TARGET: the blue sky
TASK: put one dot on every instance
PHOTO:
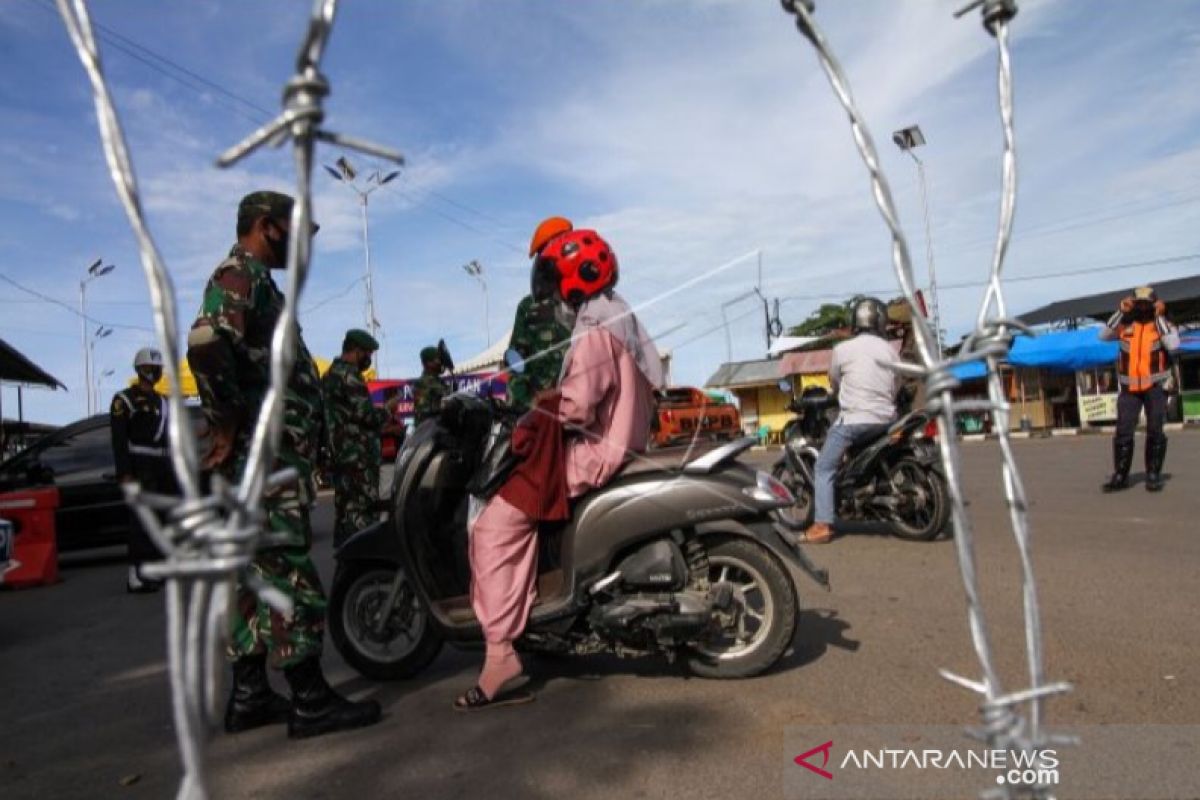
(692, 135)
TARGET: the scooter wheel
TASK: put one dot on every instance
(754, 633)
(399, 647)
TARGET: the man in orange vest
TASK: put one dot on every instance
(1143, 365)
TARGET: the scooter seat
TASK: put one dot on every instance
(666, 459)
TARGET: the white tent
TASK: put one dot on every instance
(490, 359)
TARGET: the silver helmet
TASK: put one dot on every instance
(869, 316)
(148, 357)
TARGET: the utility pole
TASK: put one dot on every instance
(346, 173)
(908, 139)
(98, 269)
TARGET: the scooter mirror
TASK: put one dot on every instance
(514, 361)
(785, 385)
(444, 355)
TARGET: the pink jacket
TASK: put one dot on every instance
(606, 409)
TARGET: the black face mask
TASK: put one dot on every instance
(364, 364)
(279, 247)
(1143, 312)
(152, 374)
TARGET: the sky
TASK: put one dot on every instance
(700, 138)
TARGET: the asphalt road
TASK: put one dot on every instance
(84, 701)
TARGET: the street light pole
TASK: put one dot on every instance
(475, 270)
(907, 139)
(98, 269)
(101, 333)
(347, 174)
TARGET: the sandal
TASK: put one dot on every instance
(476, 700)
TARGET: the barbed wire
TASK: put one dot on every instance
(210, 538)
(1004, 725)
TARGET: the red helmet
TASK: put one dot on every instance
(585, 264)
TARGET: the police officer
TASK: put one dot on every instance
(543, 323)
(138, 418)
(229, 349)
(430, 390)
(1147, 338)
(355, 428)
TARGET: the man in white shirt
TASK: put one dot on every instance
(866, 390)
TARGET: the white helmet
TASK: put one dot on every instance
(147, 357)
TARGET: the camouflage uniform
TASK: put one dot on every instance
(229, 350)
(541, 327)
(427, 396)
(355, 425)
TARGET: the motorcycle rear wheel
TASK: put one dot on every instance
(409, 641)
(925, 489)
(802, 512)
(765, 612)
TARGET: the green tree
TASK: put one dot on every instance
(826, 319)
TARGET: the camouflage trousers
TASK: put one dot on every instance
(355, 500)
(259, 629)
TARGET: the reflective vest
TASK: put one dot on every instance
(1142, 362)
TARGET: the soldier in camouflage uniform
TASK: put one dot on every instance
(355, 426)
(229, 350)
(542, 326)
(430, 390)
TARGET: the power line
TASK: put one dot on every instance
(1013, 279)
(45, 298)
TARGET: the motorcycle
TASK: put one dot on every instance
(683, 554)
(895, 477)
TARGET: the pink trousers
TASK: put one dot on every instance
(504, 551)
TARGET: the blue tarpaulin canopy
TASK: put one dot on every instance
(1064, 351)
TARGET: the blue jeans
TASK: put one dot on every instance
(839, 439)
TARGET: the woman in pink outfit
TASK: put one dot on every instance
(605, 408)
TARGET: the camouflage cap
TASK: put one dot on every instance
(275, 205)
(429, 354)
(357, 337)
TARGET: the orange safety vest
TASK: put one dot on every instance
(1142, 362)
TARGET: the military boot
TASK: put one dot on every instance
(1122, 461)
(252, 703)
(318, 709)
(1156, 454)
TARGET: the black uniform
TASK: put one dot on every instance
(139, 440)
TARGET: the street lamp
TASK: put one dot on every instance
(108, 373)
(346, 173)
(908, 139)
(475, 270)
(102, 332)
(98, 269)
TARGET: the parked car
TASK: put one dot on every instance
(684, 413)
(78, 459)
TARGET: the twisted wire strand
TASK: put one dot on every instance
(1004, 726)
(210, 540)
(943, 400)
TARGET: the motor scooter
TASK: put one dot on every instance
(684, 554)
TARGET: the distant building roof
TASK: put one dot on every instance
(812, 362)
(16, 368)
(1182, 296)
(785, 343)
(746, 373)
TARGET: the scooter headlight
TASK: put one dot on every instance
(769, 491)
